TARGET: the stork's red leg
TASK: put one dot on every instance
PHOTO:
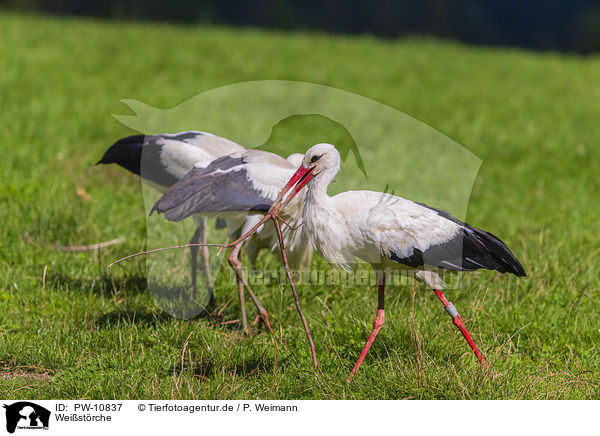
(379, 321)
(236, 264)
(458, 322)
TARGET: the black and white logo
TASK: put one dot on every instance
(26, 415)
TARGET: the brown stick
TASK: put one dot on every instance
(246, 235)
(87, 247)
(296, 300)
(76, 247)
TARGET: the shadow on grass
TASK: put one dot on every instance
(204, 370)
(131, 316)
(144, 314)
(103, 285)
(253, 367)
(402, 344)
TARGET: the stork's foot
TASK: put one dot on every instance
(263, 317)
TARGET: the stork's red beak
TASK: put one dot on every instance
(300, 178)
(300, 172)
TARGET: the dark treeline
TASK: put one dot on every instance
(563, 25)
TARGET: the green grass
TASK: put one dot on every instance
(532, 119)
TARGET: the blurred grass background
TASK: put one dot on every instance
(82, 333)
(560, 25)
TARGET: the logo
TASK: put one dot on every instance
(26, 415)
(381, 149)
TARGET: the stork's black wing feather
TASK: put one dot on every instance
(469, 249)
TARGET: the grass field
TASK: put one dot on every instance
(532, 118)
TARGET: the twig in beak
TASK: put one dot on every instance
(294, 228)
(296, 299)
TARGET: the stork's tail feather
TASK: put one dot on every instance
(470, 249)
(496, 255)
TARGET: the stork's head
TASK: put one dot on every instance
(321, 157)
(318, 159)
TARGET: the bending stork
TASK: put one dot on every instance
(240, 188)
(161, 160)
(390, 232)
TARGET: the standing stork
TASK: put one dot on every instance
(391, 232)
(163, 159)
(241, 187)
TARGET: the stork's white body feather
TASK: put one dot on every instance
(383, 224)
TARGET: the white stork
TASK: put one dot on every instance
(163, 159)
(240, 187)
(390, 232)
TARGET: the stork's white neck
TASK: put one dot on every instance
(317, 191)
(319, 208)
(320, 215)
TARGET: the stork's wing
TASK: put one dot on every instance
(212, 144)
(416, 235)
(165, 158)
(224, 185)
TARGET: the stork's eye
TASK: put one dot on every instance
(315, 158)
